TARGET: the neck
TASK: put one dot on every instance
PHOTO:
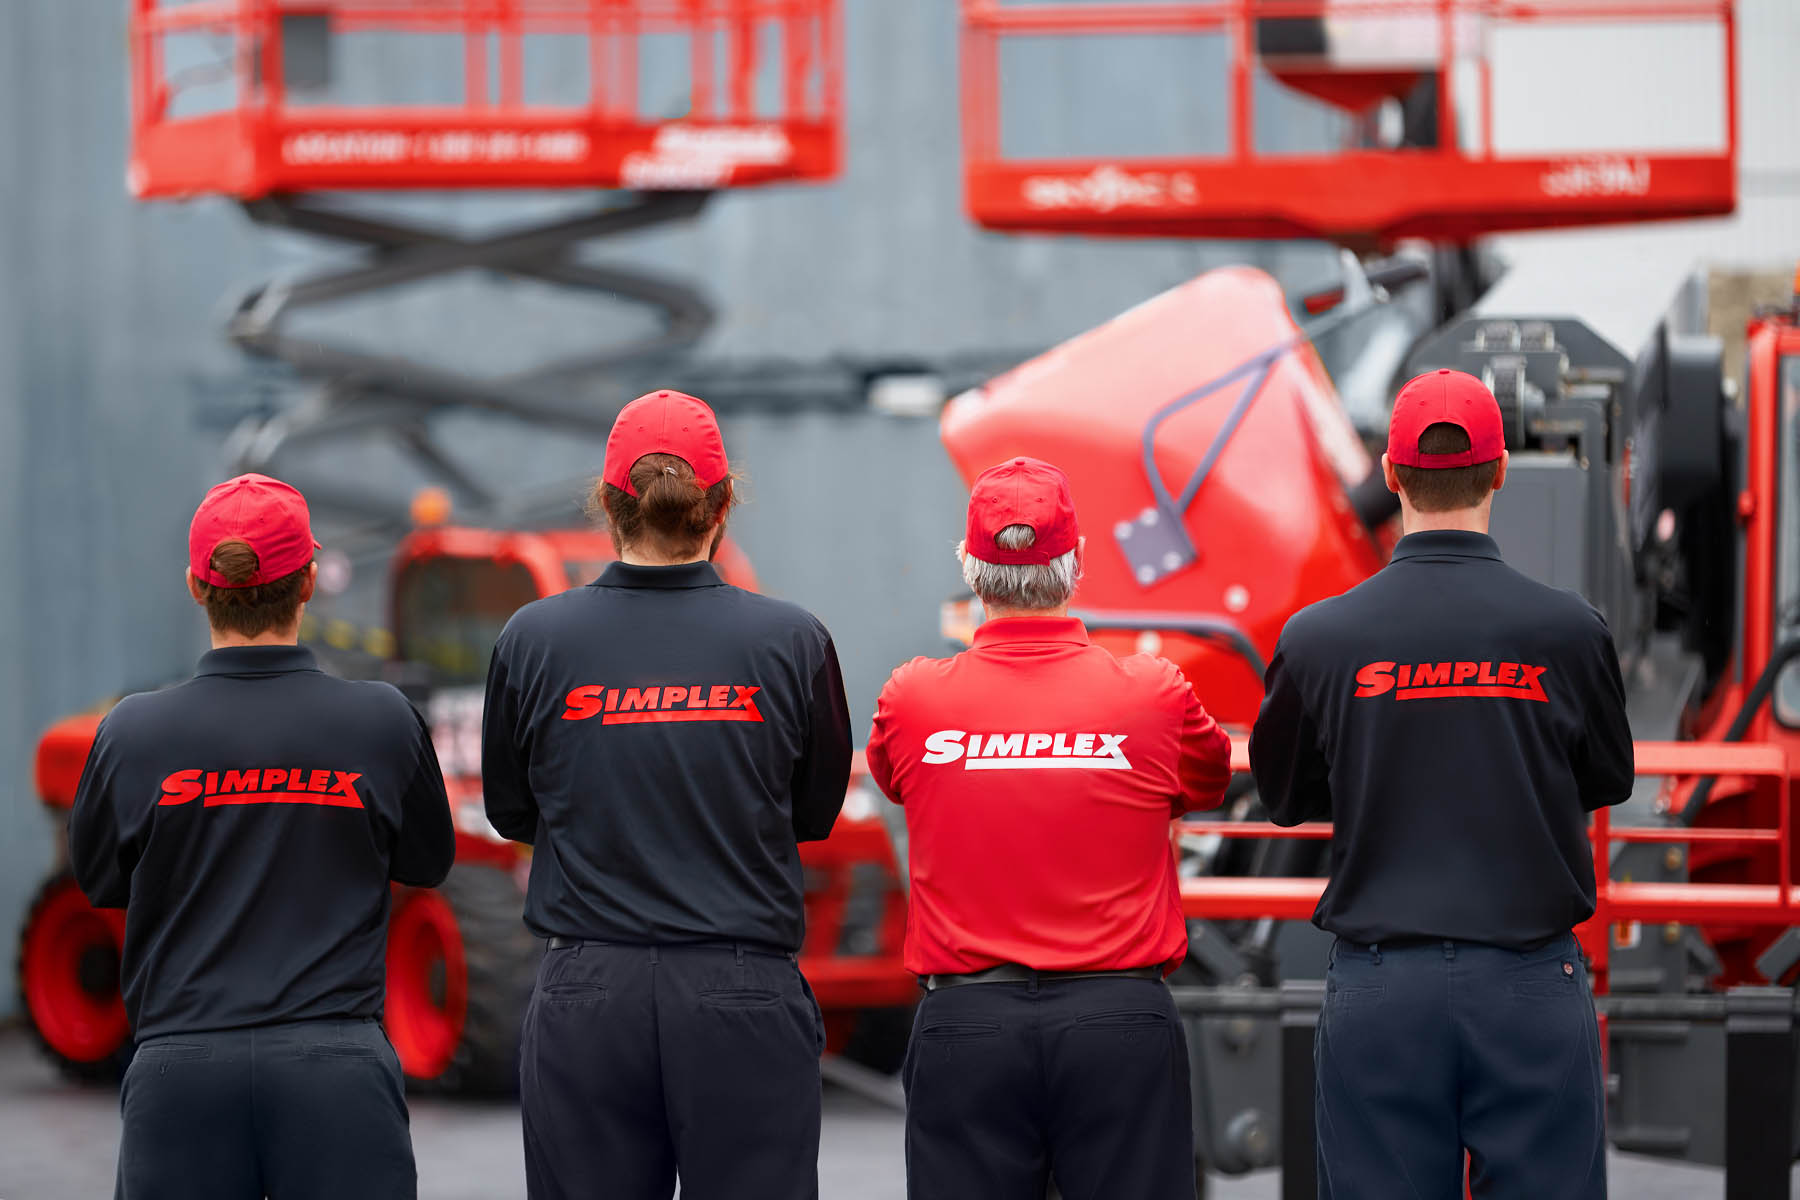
(225, 639)
(646, 554)
(1467, 520)
(650, 558)
(997, 612)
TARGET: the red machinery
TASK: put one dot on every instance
(1458, 177)
(267, 124)
(1222, 488)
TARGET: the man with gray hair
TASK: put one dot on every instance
(1044, 910)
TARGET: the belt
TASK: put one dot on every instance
(1014, 973)
(559, 942)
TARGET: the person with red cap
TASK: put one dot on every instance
(664, 741)
(1457, 722)
(250, 822)
(1046, 1044)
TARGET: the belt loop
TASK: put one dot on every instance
(655, 957)
(1375, 953)
(579, 947)
(1449, 950)
(740, 953)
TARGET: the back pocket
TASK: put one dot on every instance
(1360, 994)
(568, 995)
(1124, 1019)
(959, 1031)
(740, 998)
(1543, 987)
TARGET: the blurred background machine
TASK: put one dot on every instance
(1223, 485)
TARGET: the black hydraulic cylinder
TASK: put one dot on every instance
(1759, 1092)
(1300, 1004)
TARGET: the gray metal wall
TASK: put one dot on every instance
(116, 386)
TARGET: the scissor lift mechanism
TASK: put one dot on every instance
(277, 140)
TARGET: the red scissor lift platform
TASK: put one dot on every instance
(262, 134)
(1472, 173)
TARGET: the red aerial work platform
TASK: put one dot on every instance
(261, 132)
(1452, 176)
(273, 101)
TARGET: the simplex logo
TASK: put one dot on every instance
(1027, 751)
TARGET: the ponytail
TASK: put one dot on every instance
(671, 509)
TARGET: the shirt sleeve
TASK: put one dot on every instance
(1205, 769)
(426, 845)
(102, 853)
(1292, 776)
(823, 772)
(877, 754)
(505, 785)
(1605, 762)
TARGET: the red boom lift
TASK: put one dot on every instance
(1223, 486)
(266, 101)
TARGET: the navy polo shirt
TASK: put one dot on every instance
(1457, 722)
(249, 821)
(664, 740)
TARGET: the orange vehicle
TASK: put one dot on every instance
(460, 961)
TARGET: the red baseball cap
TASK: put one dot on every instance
(1022, 491)
(1445, 397)
(665, 423)
(266, 514)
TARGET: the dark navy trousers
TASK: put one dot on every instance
(1086, 1080)
(306, 1110)
(641, 1063)
(1427, 1050)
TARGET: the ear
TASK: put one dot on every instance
(1080, 555)
(1500, 474)
(194, 588)
(1388, 475)
(309, 583)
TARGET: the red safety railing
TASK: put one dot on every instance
(236, 96)
(1470, 182)
(1769, 904)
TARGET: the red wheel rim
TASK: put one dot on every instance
(70, 964)
(427, 984)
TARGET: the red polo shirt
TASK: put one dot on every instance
(1039, 775)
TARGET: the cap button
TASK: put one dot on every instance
(1443, 370)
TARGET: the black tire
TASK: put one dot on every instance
(502, 957)
(109, 1068)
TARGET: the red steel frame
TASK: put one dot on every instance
(1771, 904)
(262, 143)
(1448, 193)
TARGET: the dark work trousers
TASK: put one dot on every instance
(1086, 1080)
(307, 1110)
(1426, 1050)
(639, 1063)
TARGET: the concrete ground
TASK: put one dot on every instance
(57, 1142)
